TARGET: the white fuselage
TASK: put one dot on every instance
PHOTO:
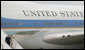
(21, 16)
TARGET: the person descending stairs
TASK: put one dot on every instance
(8, 42)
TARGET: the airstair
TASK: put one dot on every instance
(4, 45)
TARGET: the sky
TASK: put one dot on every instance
(61, 2)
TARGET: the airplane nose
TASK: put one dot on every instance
(51, 39)
(55, 39)
(63, 39)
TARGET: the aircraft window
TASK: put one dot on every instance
(81, 23)
(2, 23)
(14, 23)
(35, 23)
(19, 23)
(8, 23)
(63, 36)
(5, 23)
(68, 36)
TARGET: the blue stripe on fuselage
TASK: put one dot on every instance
(41, 23)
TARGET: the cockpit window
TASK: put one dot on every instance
(68, 36)
(63, 36)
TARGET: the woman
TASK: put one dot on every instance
(11, 40)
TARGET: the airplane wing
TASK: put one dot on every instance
(65, 38)
(20, 36)
(26, 32)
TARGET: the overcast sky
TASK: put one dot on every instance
(61, 2)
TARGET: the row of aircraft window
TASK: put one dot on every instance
(62, 23)
(12, 23)
(46, 23)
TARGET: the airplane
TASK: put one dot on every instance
(28, 17)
